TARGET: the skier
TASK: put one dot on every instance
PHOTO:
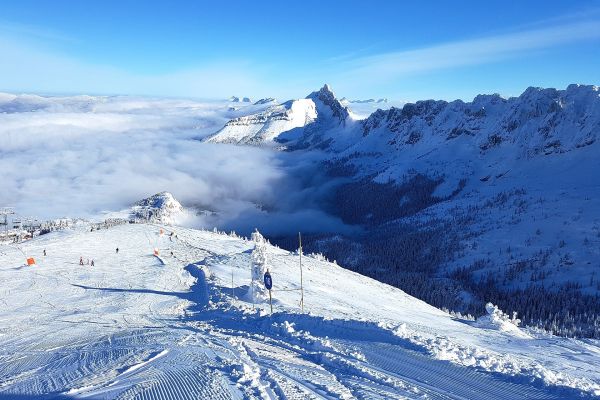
(80, 260)
(92, 264)
(171, 254)
(44, 252)
(117, 250)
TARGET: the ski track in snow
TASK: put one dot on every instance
(133, 328)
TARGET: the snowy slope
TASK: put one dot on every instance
(183, 326)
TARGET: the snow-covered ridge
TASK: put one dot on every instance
(329, 103)
(320, 107)
(265, 126)
(540, 120)
(266, 100)
(344, 100)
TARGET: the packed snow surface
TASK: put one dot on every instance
(183, 325)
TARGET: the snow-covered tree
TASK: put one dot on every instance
(260, 265)
(498, 316)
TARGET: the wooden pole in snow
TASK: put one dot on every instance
(252, 283)
(301, 278)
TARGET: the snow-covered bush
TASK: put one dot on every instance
(497, 319)
(497, 315)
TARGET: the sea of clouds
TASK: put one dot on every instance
(83, 156)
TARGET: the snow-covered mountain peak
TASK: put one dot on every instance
(235, 99)
(160, 200)
(264, 127)
(327, 98)
(161, 207)
(320, 108)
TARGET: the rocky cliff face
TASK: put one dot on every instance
(328, 104)
(540, 120)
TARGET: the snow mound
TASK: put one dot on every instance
(498, 320)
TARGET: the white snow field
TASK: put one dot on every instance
(136, 326)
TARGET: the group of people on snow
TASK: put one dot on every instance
(87, 262)
(91, 263)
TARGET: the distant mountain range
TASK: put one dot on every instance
(379, 101)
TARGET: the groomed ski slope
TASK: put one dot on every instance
(138, 327)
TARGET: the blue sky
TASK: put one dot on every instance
(399, 50)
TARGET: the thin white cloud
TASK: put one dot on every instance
(33, 32)
(394, 65)
(31, 68)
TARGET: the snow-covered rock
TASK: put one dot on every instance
(497, 319)
(328, 105)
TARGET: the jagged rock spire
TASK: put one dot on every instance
(326, 96)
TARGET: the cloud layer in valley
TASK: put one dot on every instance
(81, 156)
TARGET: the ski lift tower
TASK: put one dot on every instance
(4, 213)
